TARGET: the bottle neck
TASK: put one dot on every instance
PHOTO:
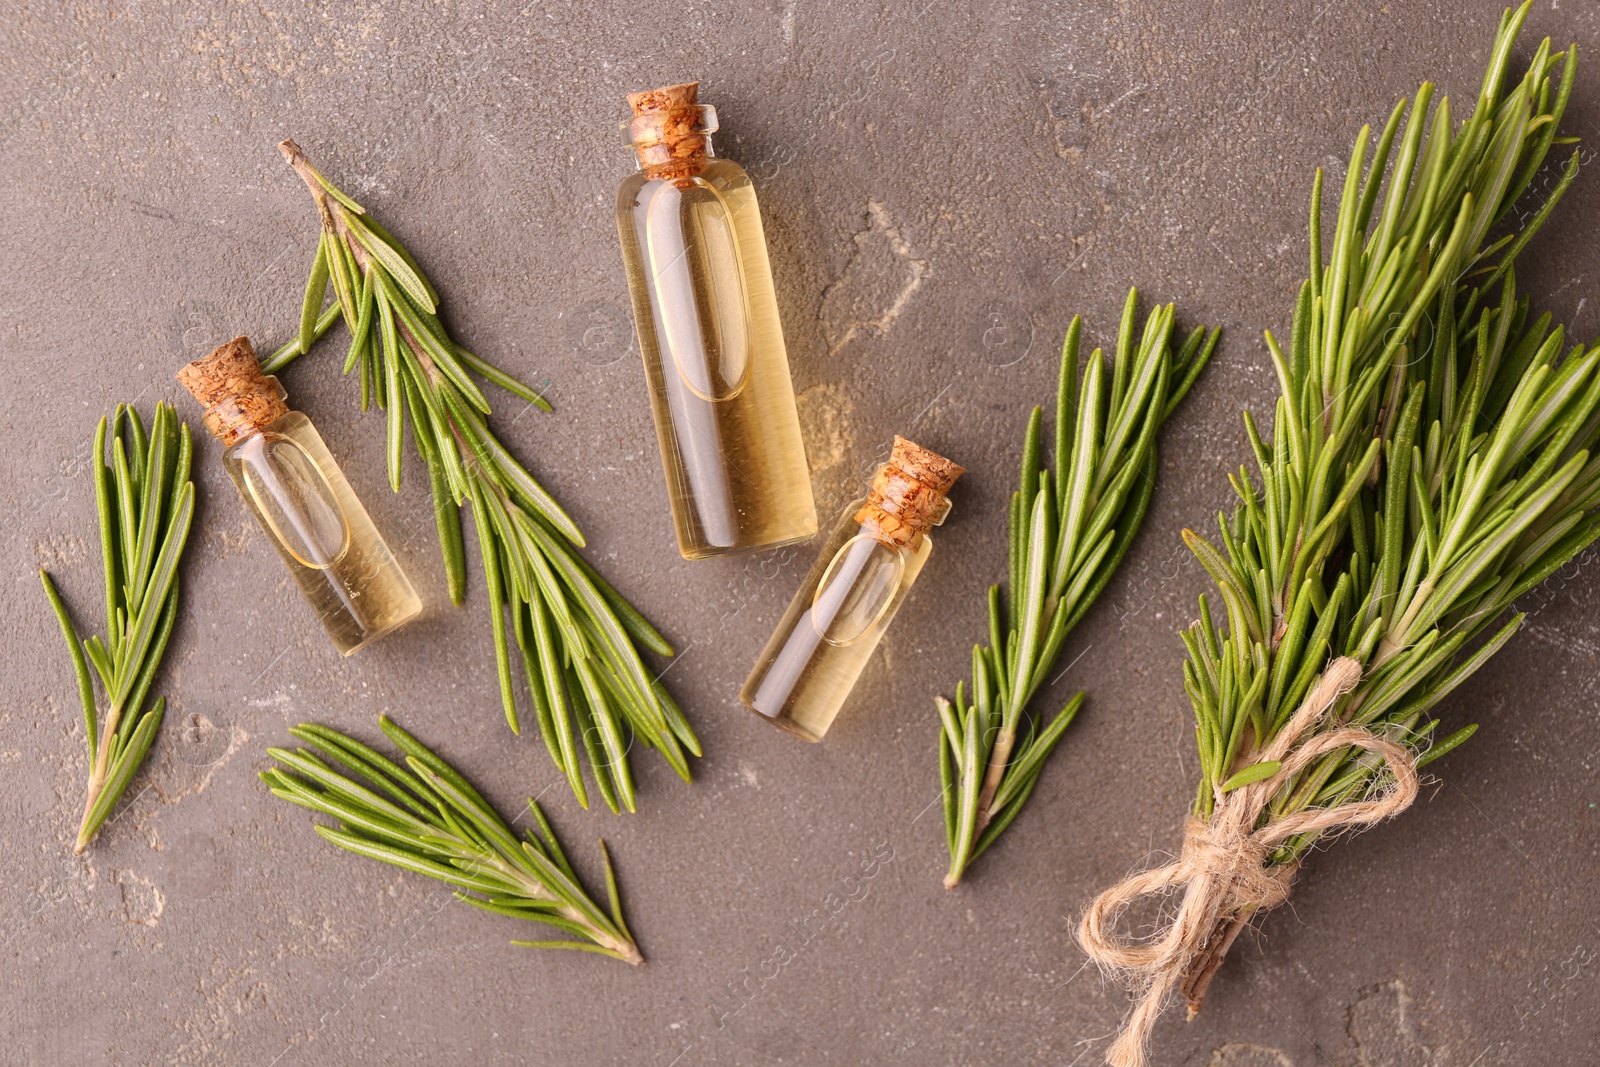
(235, 418)
(670, 130)
(673, 142)
(908, 495)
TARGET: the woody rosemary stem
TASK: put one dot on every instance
(97, 780)
(998, 760)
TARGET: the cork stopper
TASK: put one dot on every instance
(671, 131)
(666, 98)
(238, 398)
(907, 498)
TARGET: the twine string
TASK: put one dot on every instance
(1223, 868)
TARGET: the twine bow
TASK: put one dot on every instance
(1223, 869)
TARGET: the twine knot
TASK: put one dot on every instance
(1238, 859)
(1224, 870)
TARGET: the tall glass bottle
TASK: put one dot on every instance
(301, 498)
(707, 316)
(864, 571)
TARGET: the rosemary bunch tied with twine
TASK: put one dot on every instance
(577, 638)
(145, 502)
(426, 818)
(1069, 529)
(1431, 460)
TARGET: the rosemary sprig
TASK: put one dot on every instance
(1070, 528)
(1430, 459)
(145, 502)
(425, 817)
(577, 638)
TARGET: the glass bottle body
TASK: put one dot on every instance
(832, 627)
(320, 529)
(714, 357)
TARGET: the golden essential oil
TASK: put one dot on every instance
(707, 318)
(301, 499)
(861, 577)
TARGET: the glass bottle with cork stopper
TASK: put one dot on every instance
(301, 498)
(707, 317)
(842, 609)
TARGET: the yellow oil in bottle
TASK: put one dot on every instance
(714, 356)
(831, 629)
(322, 532)
(836, 619)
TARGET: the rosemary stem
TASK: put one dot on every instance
(97, 778)
(999, 759)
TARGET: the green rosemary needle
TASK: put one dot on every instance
(427, 818)
(145, 502)
(1069, 529)
(577, 638)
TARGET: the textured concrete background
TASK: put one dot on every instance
(943, 189)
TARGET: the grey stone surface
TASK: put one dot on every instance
(944, 186)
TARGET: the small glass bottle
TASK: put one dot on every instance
(852, 593)
(707, 317)
(301, 498)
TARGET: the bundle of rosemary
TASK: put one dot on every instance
(146, 502)
(1069, 529)
(425, 817)
(577, 638)
(1431, 460)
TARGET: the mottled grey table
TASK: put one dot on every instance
(943, 188)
